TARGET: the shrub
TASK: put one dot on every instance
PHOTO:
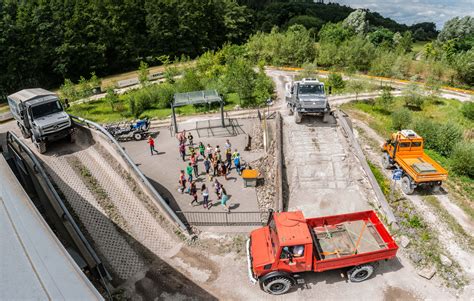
(462, 159)
(448, 135)
(413, 97)
(439, 137)
(401, 118)
(386, 100)
(335, 80)
(427, 129)
(468, 110)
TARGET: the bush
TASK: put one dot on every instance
(335, 80)
(401, 119)
(386, 100)
(462, 159)
(448, 135)
(427, 129)
(439, 137)
(413, 97)
(468, 110)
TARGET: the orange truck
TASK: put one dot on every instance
(290, 244)
(404, 150)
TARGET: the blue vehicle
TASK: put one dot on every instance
(137, 130)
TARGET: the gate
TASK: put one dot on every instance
(205, 218)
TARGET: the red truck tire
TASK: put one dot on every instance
(277, 285)
(360, 272)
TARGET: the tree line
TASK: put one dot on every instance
(355, 45)
(44, 42)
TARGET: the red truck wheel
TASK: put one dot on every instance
(277, 285)
(360, 273)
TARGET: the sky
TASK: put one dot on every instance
(416, 11)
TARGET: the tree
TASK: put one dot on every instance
(464, 66)
(356, 86)
(111, 98)
(401, 118)
(386, 100)
(335, 81)
(240, 78)
(143, 73)
(381, 36)
(457, 28)
(309, 22)
(462, 159)
(357, 21)
(403, 42)
(334, 33)
(412, 96)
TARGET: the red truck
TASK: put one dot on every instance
(290, 244)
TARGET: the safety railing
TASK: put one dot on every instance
(231, 218)
(15, 142)
(157, 198)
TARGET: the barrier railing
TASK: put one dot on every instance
(13, 140)
(232, 218)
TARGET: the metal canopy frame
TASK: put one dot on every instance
(194, 98)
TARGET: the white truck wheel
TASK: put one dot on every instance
(298, 117)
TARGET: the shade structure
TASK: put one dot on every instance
(194, 98)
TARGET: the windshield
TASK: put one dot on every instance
(273, 235)
(310, 89)
(46, 109)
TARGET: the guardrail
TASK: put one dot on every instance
(159, 200)
(363, 161)
(279, 202)
(231, 218)
(38, 168)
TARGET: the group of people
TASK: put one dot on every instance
(216, 162)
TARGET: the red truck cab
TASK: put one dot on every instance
(291, 244)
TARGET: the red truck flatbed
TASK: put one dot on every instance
(350, 239)
(291, 244)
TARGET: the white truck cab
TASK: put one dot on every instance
(40, 116)
(307, 97)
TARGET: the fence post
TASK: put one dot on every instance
(226, 219)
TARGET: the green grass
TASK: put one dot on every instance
(418, 46)
(440, 111)
(100, 111)
(383, 182)
(4, 107)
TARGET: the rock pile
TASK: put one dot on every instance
(266, 191)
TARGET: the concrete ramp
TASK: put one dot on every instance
(113, 207)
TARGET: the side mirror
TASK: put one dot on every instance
(330, 90)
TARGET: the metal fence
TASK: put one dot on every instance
(205, 218)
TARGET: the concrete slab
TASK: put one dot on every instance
(163, 169)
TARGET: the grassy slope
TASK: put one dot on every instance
(461, 187)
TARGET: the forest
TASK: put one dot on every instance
(44, 42)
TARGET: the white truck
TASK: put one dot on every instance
(40, 116)
(307, 97)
